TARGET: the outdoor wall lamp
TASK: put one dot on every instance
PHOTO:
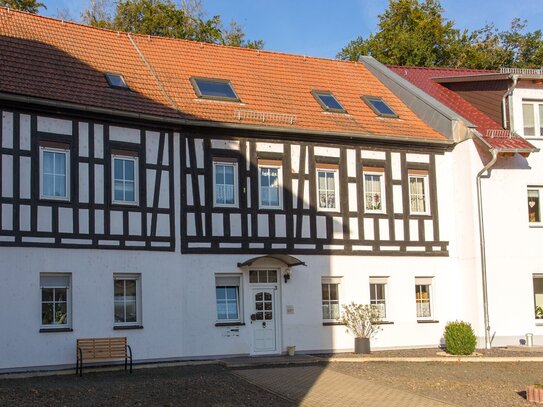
(286, 276)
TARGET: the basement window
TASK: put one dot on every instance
(379, 106)
(328, 101)
(115, 80)
(218, 89)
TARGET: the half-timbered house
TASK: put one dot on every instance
(207, 200)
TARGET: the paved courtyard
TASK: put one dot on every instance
(316, 386)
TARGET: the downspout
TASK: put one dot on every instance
(508, 95)
(482, 243)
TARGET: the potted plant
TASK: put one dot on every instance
(361, 320)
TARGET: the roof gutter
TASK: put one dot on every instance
(482, 242)
(508, 96)
(213, 124)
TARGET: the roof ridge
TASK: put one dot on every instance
(442, 68)
(160, 38)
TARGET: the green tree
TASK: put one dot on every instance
(30, 6)
(165, 18)
(415, 33)
(410, 33)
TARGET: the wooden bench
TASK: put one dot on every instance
(102, 349)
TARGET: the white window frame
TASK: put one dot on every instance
(539, 189)
(539, 321)
(425, 179)
(279, 188)
(236, 186)
(425, 281)
(66, 152)
(381, 281)
(239, 285)
(336, 281)
(68, 288)
(381, 176)
(335, 171)
(135, 159)
(537, 119)
(125, 277)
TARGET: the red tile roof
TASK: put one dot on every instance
(46, 58)
(423, 79)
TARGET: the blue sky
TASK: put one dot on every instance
(322, 27)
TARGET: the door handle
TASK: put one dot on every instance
(264, 324)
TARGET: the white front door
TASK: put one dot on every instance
(263, 320)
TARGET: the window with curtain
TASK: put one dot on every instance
(327, 189)
(224, 175)
(418, 193)
(270, 188)
(227, 296)
(374, 191)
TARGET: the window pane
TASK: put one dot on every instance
(333, 292)
(118, 191)
(119, 312)
(47, 294)
(334, 314)
(118, 168)
(47, 313)
(119, 288)
(60, 185)
(215, 88)
(129, 193)
(60, 294)
(129, 170)
(131, 314)
(528, 117)
(220, 292)
(325, 292)
(326, 311)
(61, 316)
(130, 288)
(229, 175)
(232, 310)
(538, 297)
(534, 213)
(60, 163)
(48, 162)
(540, 120)
(322, 180)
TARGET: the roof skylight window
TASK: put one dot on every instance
(379, 106)
(328, 101)
(116, 80)
(218, 89)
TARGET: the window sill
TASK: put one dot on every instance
(230, 324)
(121, 327)
(384, 323)
(536, 225)
(427, 321)
(332, 323)
(44, 330)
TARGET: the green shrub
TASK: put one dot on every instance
(459, 338)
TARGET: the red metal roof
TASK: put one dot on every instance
(423, 79)
(47, 58)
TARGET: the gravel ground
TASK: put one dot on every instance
(464, 384)
(178, 386)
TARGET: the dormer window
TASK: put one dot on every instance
(379, 106)
(218, 89)
(116, 80)
(328, 101)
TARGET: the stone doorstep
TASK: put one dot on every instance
(263, 361)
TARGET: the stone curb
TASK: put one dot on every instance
(91, 369)
(441, 359)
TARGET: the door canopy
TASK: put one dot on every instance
(287, 260)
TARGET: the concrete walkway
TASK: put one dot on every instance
(315, 386)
